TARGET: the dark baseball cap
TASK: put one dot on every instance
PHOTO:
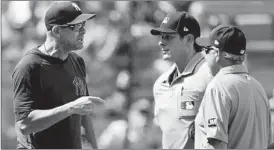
(178, 22)
(65, 13)
(228, 38)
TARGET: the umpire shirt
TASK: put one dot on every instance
(177, 100)
(235, 110)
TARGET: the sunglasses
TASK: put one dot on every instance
(207, 49)
(75, 27)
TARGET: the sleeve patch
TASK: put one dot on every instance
(212, 122)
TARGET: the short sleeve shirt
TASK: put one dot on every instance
(235, 110)
(44, 82)
(177, 101)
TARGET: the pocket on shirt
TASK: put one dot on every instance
(188, 104)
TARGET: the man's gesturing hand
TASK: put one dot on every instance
(84, 105)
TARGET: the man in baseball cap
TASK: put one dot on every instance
(51, 98)
(227, 38)
(177, 99)
(234, 112)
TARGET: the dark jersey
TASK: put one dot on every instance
(44, 82)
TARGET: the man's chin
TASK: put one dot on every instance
(166, 57)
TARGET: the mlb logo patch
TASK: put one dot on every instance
(187, 105)
(212, 122)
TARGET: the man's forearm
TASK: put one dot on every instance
(89, 130)
(39, 120)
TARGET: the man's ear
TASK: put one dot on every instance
(55, 31)
(189, 39)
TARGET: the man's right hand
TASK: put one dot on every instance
(84, 105)
(39, 120)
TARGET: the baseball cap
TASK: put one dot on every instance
(178, 22)
(65, 13)
(228, 38)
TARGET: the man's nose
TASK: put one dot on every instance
(82, 30)
(162, 43)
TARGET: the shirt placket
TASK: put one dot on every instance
(176, 92)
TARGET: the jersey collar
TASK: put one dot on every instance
(234, 69)
(189, 69)
(191, 65)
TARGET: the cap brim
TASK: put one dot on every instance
(81, 18)
(203, 41)
(158, 31)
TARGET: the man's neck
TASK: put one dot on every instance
(181, 66)
(52, 49)
(183, 62)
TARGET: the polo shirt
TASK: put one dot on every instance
(177, 101)
(235, 110)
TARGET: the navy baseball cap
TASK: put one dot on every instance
(228, 38)
(178, 22)
(65, 13)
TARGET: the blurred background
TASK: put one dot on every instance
(123, 60)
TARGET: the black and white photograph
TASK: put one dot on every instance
(137, 74)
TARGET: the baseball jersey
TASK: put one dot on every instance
(177, 101)
(44, 82)
(235, 110)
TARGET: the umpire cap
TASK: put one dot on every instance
(228, 38)
(178, 22)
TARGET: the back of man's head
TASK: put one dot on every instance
(229, 39)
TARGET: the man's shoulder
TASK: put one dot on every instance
(203, 73)
(27, 66)
(204, 70)
(163, 77)
(75, 55)
(229, 80)
(160, 79)
(161, 82)
(29, 60)
(223, 85)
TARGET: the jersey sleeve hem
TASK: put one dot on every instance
(218, 137)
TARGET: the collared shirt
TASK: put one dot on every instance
(177, 101)
(235, 110)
